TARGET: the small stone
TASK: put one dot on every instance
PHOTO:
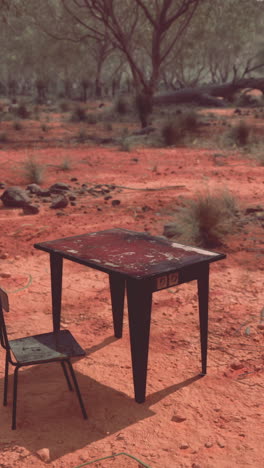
(59, 202)
(5, 275)
(59, 187)
(44, 455)
(177, 418)
(220, 443)
(236, 365)
(208, 444)
(4, 256)
(30, 209)
(184, 446)
(116, 202)
(261, 326)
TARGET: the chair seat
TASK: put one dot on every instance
(45, 347)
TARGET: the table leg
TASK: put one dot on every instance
(56, 288)
(139, 298)
(203, 296)
(117, 290)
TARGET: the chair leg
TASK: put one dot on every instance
(6, 381)
(66, 375)
(77, 389)
(15, 398)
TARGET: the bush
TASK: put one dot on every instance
(206, 220)
(66, 165)
(240, 134)
(79, 114)
(17, 125)
(3, 138)
(33, 171)
(22, 111)
(92, 119)
(176, 130)
(122, 106)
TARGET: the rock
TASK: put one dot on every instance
(34, 188)
(74, 179)
(221, 443)
(2, 185)
(4, 256)
(72, 197)
(59, 202)
(236, 365)
(59, 187)
(184, 446)
(208, 444)
(261, 326)
(15, 197)
(30, 209)
(115, 202)
(5, 275)
(44, 455)
(177, 418)
(44, 193)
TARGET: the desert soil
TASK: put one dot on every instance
(210, 422)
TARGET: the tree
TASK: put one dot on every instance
(144, 31)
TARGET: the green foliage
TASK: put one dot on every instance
(207, 220)
(241, 133)
(33, 171)
(176, 130)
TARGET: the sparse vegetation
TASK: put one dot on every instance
(178, 128)
(17, 125)
(22, 112)
(122, 105)
(91, 119)
(33, 171)
(3, 138)
(241, 133)
(206, 220)
(79, 114)
(66, 164)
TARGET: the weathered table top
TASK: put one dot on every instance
(133, 254)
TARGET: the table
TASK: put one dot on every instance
(139, 264)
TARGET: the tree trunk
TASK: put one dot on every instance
(214, 95)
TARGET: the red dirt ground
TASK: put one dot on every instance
(213, 422)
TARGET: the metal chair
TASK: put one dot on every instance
(58, 346)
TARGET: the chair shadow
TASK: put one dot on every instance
(41, 418)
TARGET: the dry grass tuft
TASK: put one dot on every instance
(206, 220)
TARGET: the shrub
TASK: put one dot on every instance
(33, 171)
(92, 119)
(206, 220)
(240, 134)
(79, 114)
(3, 138)
(22, 111)
(176, 130)
(122, 105)
(82, 136)
(66, 165)
(17, 125)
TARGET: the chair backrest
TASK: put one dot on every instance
(4, 305)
